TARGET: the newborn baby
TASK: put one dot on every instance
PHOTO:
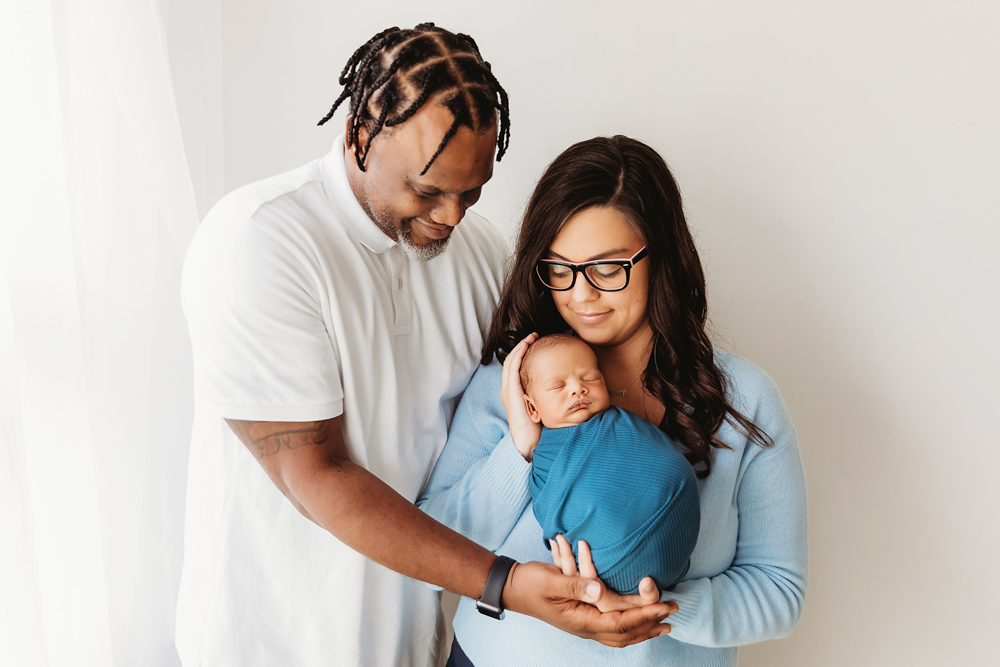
(605, 475)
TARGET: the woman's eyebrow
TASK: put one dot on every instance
(621, 252)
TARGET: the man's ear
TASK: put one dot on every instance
(362, 134)
(532, 412)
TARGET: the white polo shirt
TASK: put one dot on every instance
(301, 309)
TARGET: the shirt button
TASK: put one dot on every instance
(400, 283)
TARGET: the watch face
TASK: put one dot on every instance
(489, 610)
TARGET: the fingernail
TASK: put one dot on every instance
(593, 590)
(664, 613)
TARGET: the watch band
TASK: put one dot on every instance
(491, 603)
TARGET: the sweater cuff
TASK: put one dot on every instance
(687, 598)
(507, 474)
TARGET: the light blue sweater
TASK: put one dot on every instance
(747, 577)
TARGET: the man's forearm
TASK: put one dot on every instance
(367, 515)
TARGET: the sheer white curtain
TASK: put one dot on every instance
(97, 211)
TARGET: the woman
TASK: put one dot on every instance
(608, 199)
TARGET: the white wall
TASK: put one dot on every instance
(841, 165)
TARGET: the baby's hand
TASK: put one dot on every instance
(562, 556)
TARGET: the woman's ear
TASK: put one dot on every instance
(532, 412)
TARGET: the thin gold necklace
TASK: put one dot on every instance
(621, 392)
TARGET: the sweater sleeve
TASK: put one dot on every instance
(760, 596)
(479, 486)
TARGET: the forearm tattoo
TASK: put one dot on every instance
(262, 443)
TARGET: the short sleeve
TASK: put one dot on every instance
(262, 350)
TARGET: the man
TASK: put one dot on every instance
(334, 333)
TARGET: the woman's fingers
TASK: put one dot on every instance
(587, 568)
(648, 592)
(512, 364)
(541, 591)
(510, 379)
(562, 556)
(566, 552)
(508, 363)
(523, 430)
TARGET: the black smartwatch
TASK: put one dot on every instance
(491, 604)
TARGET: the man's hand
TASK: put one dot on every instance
(542, 591)
(562, 557)
(309, 464)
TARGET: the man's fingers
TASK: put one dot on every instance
(577, 588)
(626, 628)
(648, 594)
(642, 616)
(621, 641)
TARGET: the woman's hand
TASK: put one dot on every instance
(562, 556)
(524, 432)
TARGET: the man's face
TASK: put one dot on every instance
(420, 212)
(566, 387)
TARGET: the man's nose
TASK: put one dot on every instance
(449, 211)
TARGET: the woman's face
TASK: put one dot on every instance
(604, 319)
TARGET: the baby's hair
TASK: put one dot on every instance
(542, 343)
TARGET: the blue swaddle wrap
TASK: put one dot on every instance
(619, 483)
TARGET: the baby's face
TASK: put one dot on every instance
(566, 387)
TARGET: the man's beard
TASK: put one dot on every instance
(403, 235)
(421, 253)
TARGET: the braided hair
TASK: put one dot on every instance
(395, 72)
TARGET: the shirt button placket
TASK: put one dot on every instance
(400, 296)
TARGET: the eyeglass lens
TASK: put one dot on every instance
(601, 276)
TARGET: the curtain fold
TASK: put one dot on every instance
(95, 366)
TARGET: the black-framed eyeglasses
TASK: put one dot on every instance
(606, 275)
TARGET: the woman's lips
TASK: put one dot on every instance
(592, 318)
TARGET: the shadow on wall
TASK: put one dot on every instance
(779, 290)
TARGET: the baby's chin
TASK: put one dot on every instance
(573, 418)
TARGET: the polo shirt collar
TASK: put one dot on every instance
(353, 217)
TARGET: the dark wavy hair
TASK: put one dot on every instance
(632, 178)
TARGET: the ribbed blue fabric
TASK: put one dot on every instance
(619, 483)
(747, 580)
